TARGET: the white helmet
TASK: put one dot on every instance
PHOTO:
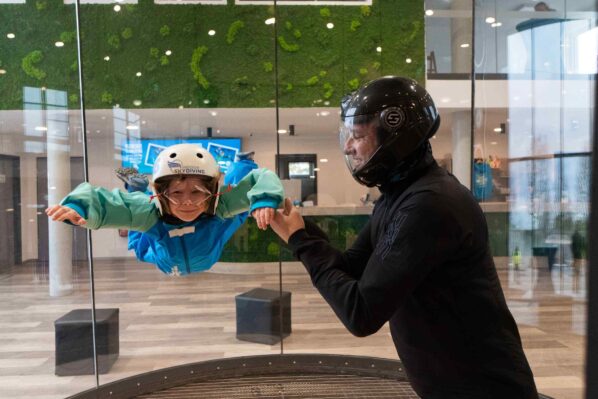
(186, 159)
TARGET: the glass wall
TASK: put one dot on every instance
(240, 76)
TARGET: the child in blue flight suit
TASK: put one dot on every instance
(184, 225)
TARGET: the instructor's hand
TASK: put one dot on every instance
(287, 221)
(61, 213)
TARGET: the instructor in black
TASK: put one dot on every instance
(422, 262)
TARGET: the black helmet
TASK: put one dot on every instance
(403, 116)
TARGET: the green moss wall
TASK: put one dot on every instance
(234, 68)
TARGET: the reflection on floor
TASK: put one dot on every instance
(167, 321)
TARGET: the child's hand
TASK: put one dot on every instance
(60, 213)
(263, 217)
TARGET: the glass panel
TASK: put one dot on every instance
(351, 45)
(44, 279)
(537, 123)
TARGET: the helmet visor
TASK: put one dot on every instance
(195, 196)
(359, 140)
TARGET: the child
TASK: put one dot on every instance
(184, 225)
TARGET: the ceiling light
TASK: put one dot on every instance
(445, 100)
(138, 74)
(496, 24)
(143, 122)
(325, 113)
(168, 52)
(181, 107)
(107, 58)
(324, 160)
(490, 20)
(2, 71)
(497, 130)
(41, 128)
(270, 21)
(493, 143)
(59, 44)
(213, 113)
(206, 101)
(465, 45)
(10, 35)
(117, 8)
(282, 131)
(137, 103)
(429, 12)
(132, 127)
(316, 169)
(211, 32)
(408, 60)
(379, 49)
(330, 25)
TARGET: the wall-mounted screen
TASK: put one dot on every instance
(141, 154)
(299, 169)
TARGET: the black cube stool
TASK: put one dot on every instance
(259, 315)
(74, 341)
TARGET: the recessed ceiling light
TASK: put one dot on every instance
(211, 32)
(59, 44)
(493, 143)
(490, 20)
(41, 128)
(408, 60)
(117, 8)
(270, 21)
(330, 25)
(2, 71)
(325, 113)
(137, 103)
(10, 35)
(132, 127)
(181, 107)
(107, 58)
(168, 52)
(497, 129)
(206, 101)
(324, 160)
(429, 12)
(465, 45)
(213, 113)
(379, 49)
(138, 74)
(496, 24)
(282, 131)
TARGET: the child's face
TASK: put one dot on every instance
(187, 198)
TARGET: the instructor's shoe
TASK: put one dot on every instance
(134, 181)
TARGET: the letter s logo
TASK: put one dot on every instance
(392, 118)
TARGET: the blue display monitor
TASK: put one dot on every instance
(141, 154)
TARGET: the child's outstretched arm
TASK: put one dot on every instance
(61, 213)
(260, 193)
(101, 208)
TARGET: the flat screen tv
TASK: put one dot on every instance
(142, 153)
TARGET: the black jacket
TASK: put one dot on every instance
(423, 264)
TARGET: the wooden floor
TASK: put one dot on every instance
(167, 321)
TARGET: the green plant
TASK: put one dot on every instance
(67, 37)
(376, 65)
(354, 25)
(312, 81)
(323, 74)
(325, 12)
(366, 11)
(27, 64)
(289, 87)
(154, 52)
(41, 5)
(106, 98)
(164, 60)
(353, 84)
(164, 31)
(73, 98)
(114, 41)
(232, 31)
(74, 66)
(127, 33)
(268, 67)
(288, 25)
(297, 34)
(363, 71)
(328, 90)
(291, 48)
(198, 53)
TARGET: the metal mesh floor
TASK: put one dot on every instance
(290, 386)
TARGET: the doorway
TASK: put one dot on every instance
(300, 167)
(10, 213)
